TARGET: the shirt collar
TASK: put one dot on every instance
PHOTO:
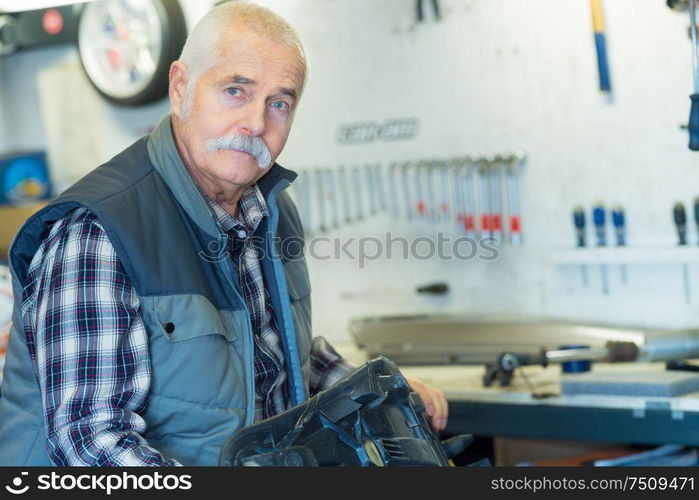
(252, 209)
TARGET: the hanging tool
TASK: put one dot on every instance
(343, 185)
(358, 192)
(320, 192)
(679, 215)
(694, 111)
(581, 237)
(484, 183)
(513, 165)
(469, 199)
(393, 190)
(458, 188)
(420, 204)
(444, 205)
(599, 217)
(420, 10)
(371, 189)
(605, 84)
(619, 221)
(380, 190)
(405, 181)
(431, 208)
(495, 198)
(696, 213)
(331, 195)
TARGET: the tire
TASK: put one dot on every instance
(173, 36)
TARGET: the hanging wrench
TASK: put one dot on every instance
(331, 185)
(358, 192)
(371, 189)
(432, 212)
(405, 181)
(380, 191)
(344, 194)
(420, 205)
(320, 192)
(458, 189)
(484, 183)
(444, 205)
(495, 198)
(513, 165)
(393, 190)
(469, 198)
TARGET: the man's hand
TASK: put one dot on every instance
(435, 402)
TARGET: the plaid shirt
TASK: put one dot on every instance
(89, 345)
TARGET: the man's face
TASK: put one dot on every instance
(252, 91)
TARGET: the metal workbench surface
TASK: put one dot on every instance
(512, 411)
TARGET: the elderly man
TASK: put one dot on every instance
(148, 325)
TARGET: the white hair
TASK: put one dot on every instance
(202, 49)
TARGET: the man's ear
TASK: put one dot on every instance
(177, 87)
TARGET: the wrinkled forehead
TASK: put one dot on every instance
(264, 57)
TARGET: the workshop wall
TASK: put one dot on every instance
(494, 76)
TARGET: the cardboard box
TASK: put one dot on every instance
(11, 219)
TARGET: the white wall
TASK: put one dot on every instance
(495, 75)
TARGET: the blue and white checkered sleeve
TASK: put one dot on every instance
(89, 347)
(327, 366)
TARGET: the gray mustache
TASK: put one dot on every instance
(245, 144)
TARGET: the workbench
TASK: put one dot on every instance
(513, 412)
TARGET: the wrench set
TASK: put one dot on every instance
(479, 196)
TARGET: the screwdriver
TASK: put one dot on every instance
(680, 217)
(599, 220)
(619, 221)
(693, 126)
(579, 221)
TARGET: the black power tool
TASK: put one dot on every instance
(370, 418)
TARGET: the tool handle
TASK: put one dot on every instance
(605, 83)
(439, 288)
(599, 220)
(619, 221)
(679, 215)
(693, 126)
(579, 221)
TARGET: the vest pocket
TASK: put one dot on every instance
(188, 316)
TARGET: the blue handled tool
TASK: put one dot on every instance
(605, 83)
(579, 222)
(599, 217)
(694, 112)
(619, 221)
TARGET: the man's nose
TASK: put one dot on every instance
(253, 120)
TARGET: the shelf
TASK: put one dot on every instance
(624, 255)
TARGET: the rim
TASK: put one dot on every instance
(120, 45)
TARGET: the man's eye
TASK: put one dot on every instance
(233, 91)
(279, 105)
